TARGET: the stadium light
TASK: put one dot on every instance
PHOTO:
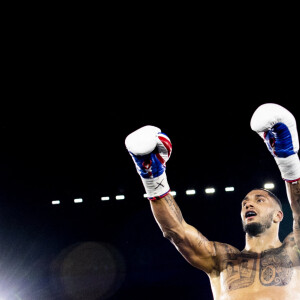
(120, 197)
(269, 185)
(78, 200)
(54, 202)
(190, 192)
(105, 198)
(173, 193)
(210, 190)
(229, 189)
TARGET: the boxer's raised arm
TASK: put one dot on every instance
(150, 149)
(277, 126)
(293, 192)
(194, 247)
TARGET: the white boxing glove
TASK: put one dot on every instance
(150, 149)
(277, 126)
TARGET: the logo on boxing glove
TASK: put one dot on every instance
(279, 141)
(149, 166)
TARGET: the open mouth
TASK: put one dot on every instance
(250, 214)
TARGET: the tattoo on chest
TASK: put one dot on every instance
(274, 268)
(239, 270)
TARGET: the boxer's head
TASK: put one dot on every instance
(261, 210)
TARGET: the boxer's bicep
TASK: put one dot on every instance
(197, 249)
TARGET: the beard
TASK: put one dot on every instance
(256, 228)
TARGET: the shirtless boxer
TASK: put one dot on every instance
(266, 268)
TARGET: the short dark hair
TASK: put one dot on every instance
(271, 195)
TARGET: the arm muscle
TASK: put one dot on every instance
(195, 248)
(293, 192)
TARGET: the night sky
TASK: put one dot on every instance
(69, 103)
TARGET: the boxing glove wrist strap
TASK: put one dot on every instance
(289, 167)
(156, 187)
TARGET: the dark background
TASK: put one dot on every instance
(74, 86)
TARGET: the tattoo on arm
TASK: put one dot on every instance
(200, 239)
(294, 245)
(297, 188)
(174, 207)
(294, 199)
(294, 191)
(297, 192)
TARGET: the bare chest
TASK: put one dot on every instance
(270, 268)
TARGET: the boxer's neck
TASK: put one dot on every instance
(267, 240)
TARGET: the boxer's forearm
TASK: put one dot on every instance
(293, 192)
(194, 247)
(168, 216)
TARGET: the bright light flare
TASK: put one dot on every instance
(78, 200)
(210, 191)
(54, 202)
(269, 185)
(190, 192)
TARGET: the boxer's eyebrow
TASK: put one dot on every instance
(259, 195)
(256, 196)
